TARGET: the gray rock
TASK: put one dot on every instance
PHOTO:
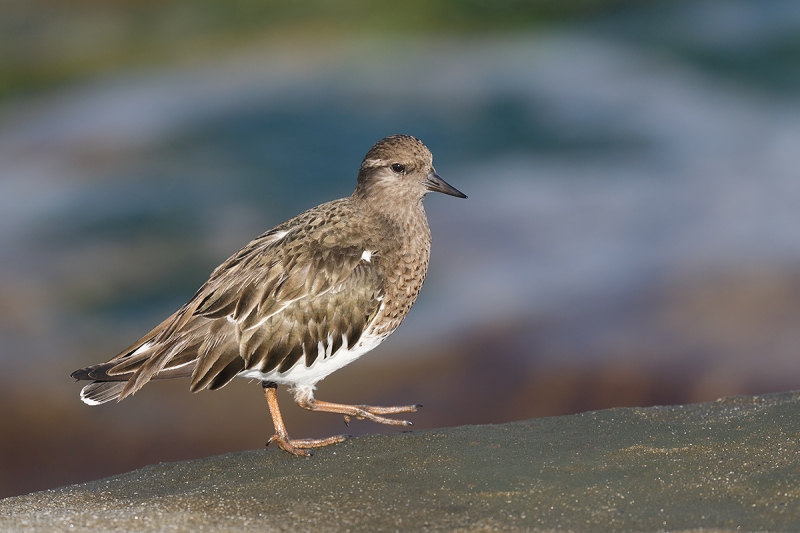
(730, 465)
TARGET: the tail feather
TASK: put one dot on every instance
(163, 354)
(110, 387)
(101, 392)
(98, 373)
(158, 365)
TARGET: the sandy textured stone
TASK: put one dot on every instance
(731, 465)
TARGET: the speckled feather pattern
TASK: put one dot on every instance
(332, 282)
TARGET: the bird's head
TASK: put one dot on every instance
(400, 168)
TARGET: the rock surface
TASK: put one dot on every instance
(730, 465)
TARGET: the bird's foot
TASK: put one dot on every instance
(300, 447)
(377, 410)
(373, 412)
(361, 412)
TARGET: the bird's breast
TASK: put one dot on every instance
(405, 266)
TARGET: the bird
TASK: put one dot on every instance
(300, 301)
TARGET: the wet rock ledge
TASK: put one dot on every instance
(730, 465)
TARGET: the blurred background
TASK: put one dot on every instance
(631, 237)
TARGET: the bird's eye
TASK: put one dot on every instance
(398, 168)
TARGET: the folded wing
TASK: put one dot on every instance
(278, 302)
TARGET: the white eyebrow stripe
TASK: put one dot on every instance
(372, 163)
(366, 256)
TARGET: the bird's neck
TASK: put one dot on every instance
(405, 215)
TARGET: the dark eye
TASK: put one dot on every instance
(398, 168)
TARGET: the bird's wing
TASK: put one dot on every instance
(277, 300)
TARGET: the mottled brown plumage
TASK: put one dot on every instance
(301, 300)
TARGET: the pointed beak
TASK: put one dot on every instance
(436, 184)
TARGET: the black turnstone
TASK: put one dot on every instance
(302, 300)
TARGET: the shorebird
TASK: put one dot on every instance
(300, 301)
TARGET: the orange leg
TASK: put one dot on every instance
(293, 446)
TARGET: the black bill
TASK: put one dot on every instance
(436, 184)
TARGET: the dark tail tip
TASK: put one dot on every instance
(81, 374)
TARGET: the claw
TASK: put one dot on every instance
(347, 420)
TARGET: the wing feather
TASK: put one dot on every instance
(212, 363)
(274, 303)
(227, 374)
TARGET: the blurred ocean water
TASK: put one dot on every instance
(633, 190)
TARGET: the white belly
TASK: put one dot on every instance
(303, 376)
